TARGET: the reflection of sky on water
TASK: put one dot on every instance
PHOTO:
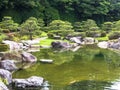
(115, 85)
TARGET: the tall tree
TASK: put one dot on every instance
(29, 27)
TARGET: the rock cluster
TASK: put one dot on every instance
(110, 44)
(33, 81)
(8, 66)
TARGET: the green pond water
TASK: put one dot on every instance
(89, 68)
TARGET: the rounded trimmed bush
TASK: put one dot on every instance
(62, 32)
(114, 35)
(95, 34)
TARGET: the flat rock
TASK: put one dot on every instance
(46, 60)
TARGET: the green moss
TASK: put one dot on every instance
(5, 81)
(4, 47)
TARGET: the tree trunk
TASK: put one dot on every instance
(30, 33)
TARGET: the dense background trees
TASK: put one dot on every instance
(70, 10)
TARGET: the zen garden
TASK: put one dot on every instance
(60, 45)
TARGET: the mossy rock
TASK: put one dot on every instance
(4, 47)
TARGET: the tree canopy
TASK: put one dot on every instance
(70, 10)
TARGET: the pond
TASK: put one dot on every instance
(89, 68)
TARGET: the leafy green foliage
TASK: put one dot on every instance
(70, 10)
(8, 24)
(2, 37)
(62, 32)
(96, 34)
(107, 26)
(29, 27)
(88, 25)
(116, 25)
(59, 27)
(50, 14)
(114, 35)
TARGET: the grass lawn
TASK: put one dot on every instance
(48, 41)
(103, 38)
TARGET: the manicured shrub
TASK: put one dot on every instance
(62, 32)
(95, 34)
(114, 35)
(82, 34)
(8, 24)
(2, 37)
(38, 33)
(87, 25)
(107, 26)
(5, 30)
(103, 34)
(50, 35)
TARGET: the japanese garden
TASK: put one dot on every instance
(59, 45)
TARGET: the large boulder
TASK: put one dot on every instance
(114, 45)
(12, 45)
(8, 65)
(103, 44)
(58, 44)
(28, 57)
(89, 40)
(33, 81)
(77, 40)
(5, 74)
(3, 86)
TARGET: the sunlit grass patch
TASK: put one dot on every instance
(48, 41)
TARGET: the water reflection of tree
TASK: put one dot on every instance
(112, 59)
(85, 53)
(88, 85)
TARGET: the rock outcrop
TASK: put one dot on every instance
(58, 44)
(103, 44)
(89, 40)
(13, 45)
(33, 81)
(8, 65)
(77, 40)
(28, 57)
